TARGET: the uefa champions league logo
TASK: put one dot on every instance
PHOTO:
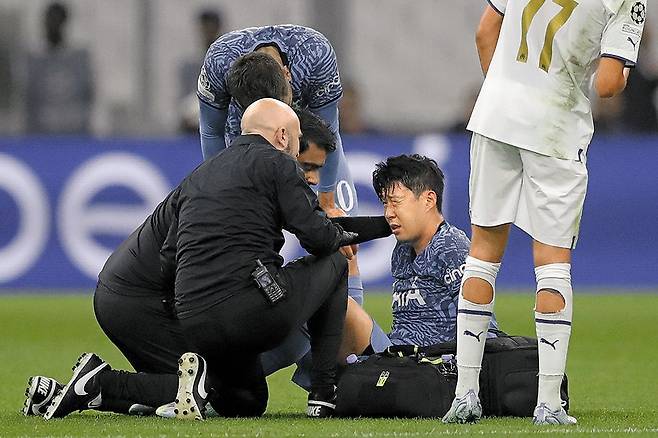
(638, 12)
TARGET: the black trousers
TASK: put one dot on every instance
(150, 337)
(152, 340)
(147, 333)
(232, 334)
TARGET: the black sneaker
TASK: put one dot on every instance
(81, 392)
(192, 395)
(321, 404)
(39, 393)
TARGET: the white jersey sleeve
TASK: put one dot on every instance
(498, 5)
(622, 35)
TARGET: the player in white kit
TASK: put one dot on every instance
(531, 125)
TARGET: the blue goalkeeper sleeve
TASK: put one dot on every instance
(329, 171)
(211, 129)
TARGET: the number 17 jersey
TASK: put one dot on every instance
(535, 95)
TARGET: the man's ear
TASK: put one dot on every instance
(281, 137)
(430, 200)
(287, 74)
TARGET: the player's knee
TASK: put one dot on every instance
(554, 292)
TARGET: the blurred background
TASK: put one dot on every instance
(98, 121)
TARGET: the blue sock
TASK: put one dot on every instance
(355, 288)
(379, 340)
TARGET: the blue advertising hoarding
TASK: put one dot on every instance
(65, 203)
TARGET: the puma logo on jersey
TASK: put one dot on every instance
(552, 344)
(402, 299)
(632, 42)
(470, 333)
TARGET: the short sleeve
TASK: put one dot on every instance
(322, 81)
(622, 35)
(498, 5)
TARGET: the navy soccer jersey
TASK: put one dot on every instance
(426, 288)
(311, 60)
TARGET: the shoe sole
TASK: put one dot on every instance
(57, 400)
(186, 407)
(29, 393)
(459, 419)
(553, 423)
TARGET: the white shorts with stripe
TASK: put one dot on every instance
(542, 195)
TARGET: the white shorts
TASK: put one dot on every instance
(542, 195)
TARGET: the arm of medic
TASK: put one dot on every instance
(302, 215)
(212, 122)
(367, 227)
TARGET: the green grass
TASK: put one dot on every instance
(612, 375)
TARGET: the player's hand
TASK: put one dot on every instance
(348, 251)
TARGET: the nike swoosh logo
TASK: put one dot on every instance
(79, 387)
(200, 387)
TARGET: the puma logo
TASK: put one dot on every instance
(632, 42)
(552, 344)
(470, 333)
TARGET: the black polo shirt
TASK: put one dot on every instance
(231, 211)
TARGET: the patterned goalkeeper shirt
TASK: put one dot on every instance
(426, 288)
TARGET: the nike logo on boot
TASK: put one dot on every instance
(79, 387)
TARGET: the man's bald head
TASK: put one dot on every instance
(276, 122)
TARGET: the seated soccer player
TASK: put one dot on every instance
(428, 261)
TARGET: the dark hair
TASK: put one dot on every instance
(315, 130)
(255, 76)
(210, 16)
(57, 11)
(415, 172)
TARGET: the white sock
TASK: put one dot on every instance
(553, 333)
(472, 326)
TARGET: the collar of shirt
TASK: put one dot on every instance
(250, 139)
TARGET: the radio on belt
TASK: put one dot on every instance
(271, 289)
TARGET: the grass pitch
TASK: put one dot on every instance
(613, 375)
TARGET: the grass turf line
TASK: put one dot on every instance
(611, 366)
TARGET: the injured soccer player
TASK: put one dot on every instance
(428, 260)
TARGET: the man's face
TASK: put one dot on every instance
(406, 214)
(311, 161)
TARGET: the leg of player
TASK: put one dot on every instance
(354, 284)
(361, 334)
(553, 314)
(475, 307)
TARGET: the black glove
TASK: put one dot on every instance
(345, 238)
(367, 227)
